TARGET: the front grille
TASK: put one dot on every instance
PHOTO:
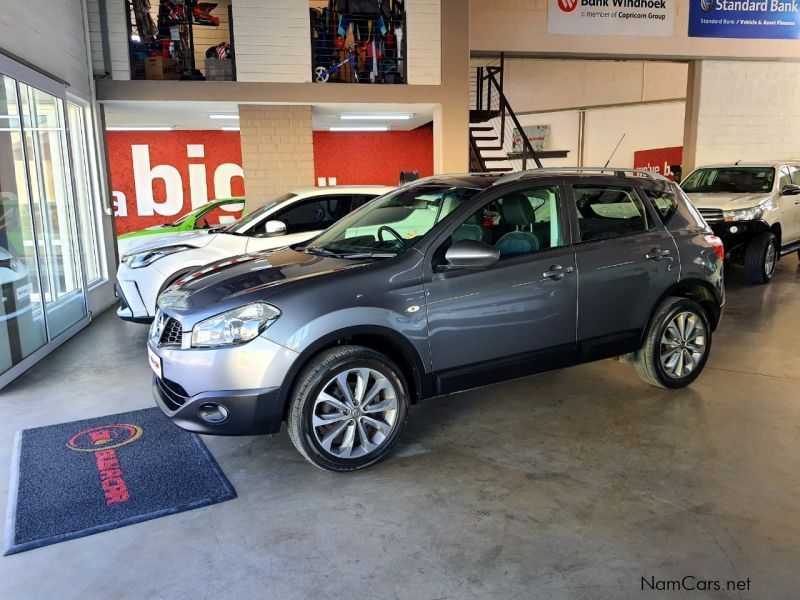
(173, 395)
(171, 335)
(712, 215)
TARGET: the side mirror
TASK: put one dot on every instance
(471, 254)
(790, 189)
(274, 228)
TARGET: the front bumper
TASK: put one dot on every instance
(248, 412)
(245, 380)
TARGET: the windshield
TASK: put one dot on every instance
(184, 218)
(243, 224)
(731, 180)
(392, 223)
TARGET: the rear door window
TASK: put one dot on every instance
(314, 214)
(606, 211)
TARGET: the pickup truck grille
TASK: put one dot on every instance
(712, 215)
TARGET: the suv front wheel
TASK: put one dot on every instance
(761, 258)
(676, 346)
(348, 408)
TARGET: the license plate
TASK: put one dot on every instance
(24, 292)
(155, 362)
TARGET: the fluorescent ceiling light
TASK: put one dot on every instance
(364, 128)
(232, 128)
(223, 116)
(356, 117)
(140, 128)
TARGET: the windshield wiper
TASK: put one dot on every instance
(369, 255)
(318, 251)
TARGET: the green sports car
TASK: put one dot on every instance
(207, 216)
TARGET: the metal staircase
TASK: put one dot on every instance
(494, 126)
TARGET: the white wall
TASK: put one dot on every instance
(424, 41)
(551, 84)
(117, 29)
(521, 26)
(646, 126)
(49, 35)
(748, 111)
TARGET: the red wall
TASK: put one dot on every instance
(658, 159)
(350, 157)
(378, 157)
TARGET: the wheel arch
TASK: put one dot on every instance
(378, 338)
(698, 290)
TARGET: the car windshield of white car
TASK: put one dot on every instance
(730, 180)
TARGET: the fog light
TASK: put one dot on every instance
(213, 413)
(733, 229)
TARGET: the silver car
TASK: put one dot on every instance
(448, 283)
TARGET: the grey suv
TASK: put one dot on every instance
(448, 283)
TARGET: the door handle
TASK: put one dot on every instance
(658, 254)
(557, 272)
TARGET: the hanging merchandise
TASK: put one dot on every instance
(202, 14)
(170, 13)
(145, 25)
(363, 8)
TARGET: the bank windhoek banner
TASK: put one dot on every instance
(611, 17)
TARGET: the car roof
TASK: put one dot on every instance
(761, 164)
(333, 190)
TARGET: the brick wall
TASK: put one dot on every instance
(117, 28)
(277, 150)
(747, 111)
(273, 40)
(424, 43)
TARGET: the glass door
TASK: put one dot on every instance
(22, 323)
(55, 222)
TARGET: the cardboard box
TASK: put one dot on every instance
(160, 67)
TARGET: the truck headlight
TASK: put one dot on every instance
(142, 259)
(234, 326)
(748, 214)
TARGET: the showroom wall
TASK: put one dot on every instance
(521, 26)
(759, 121)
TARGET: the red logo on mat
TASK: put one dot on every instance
(102, 441)
(567, 5)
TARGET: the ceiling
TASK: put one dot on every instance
(194, 115)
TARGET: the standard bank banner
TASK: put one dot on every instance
(767, 19)
(611, 17)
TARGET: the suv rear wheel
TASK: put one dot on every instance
(676, 346)
(348, 408)
(761, 258)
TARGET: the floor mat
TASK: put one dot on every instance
(76, 479)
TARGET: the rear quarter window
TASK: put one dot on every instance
(664, 201)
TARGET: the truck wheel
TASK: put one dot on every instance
(761, 258)
(347, 409)
(676, 346)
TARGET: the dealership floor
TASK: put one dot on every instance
(570, 484)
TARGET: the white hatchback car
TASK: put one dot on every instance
(147, 269)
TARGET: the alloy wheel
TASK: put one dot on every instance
(354, 413)
(770, 259)
(683, 344)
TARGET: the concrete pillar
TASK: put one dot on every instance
(277, 150)
(451, 116)
(693, 81)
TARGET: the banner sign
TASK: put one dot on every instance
(537, 136)
(766, 19)
(659, 160)
(611, 17)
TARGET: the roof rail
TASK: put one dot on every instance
(618, 171)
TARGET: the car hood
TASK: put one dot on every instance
(235, 281)
(178, 238)
(727, 201)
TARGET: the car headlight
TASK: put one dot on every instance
(748, 214)
(234, 326)
(142, 259)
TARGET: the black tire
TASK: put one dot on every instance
(314, 378)
(756, 267)
(647, 360)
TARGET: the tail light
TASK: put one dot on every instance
(717, 245)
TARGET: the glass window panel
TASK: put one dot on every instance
(83, 192)
(22, 328)
(54, 216)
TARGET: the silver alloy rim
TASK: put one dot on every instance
(355, 413)
(683, 344)
(770, 260)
